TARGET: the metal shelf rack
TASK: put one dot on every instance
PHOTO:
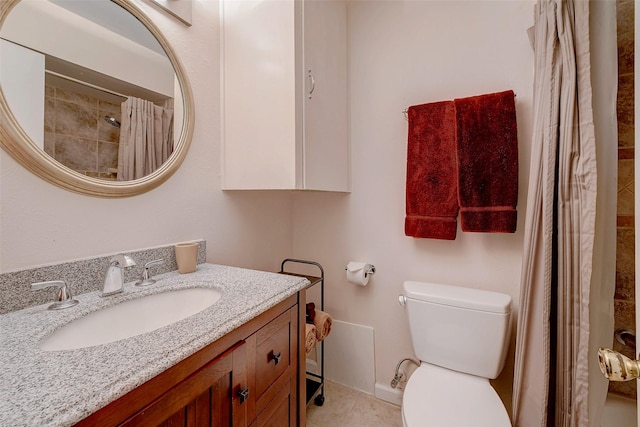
(315, 382)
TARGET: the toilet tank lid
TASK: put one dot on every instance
(457, 296)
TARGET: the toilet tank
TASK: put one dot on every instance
(458, 328)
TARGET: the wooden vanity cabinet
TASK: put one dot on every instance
(249, 377)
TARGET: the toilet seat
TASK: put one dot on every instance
(439, 397)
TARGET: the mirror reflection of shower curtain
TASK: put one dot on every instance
(146, 138)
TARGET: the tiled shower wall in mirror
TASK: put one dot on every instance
(77, 134)
(624, 301)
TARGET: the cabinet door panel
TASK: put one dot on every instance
(200, 411)
(279, 412)
(326, 133)
(240, 406)
(203, 399)
(259, 98)
(176, 420)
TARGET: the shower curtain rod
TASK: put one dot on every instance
(62, 76)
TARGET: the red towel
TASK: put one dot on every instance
(431, 200)
(487, 146)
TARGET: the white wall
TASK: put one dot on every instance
(404, 53)
(40, 223)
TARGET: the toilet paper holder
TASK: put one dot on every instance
(371, 269)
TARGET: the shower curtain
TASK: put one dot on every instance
(146, 138)
(551, 378)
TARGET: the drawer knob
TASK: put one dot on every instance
(275, 357)
(243, 394)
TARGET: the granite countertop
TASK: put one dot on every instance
(60, 388)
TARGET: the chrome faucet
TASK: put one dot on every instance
(113, 280)
(65, 299)
(146, 279)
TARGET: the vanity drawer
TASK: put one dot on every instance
(281, 411)
(273, 352)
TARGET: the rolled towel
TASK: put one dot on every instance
(310, 339)
(311, 312)
(323, 324)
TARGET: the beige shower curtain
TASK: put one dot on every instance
(551, 372)
(146, 138)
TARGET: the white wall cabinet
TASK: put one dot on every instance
(22, 77)
(284, 95)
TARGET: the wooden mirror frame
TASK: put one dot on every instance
(15, 141)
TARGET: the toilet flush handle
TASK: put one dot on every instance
(402, 300)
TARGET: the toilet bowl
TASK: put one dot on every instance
(460, 336)
(436, 396)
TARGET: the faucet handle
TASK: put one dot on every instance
(65, 299)
(146, 277)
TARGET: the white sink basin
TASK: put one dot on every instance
(131, 318)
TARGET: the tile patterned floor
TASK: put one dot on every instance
(346, 407)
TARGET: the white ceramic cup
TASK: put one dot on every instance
(187, 257)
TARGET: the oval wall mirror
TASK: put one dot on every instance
(92, 96)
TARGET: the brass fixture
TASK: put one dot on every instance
(617, 367)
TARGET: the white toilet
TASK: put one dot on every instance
(461, 337)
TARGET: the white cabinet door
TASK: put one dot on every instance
(258, 94)
(22, 75)
(273, 135)
(326, 148)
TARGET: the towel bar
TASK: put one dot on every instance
(406, 110)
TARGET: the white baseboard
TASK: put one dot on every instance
(388, 394)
